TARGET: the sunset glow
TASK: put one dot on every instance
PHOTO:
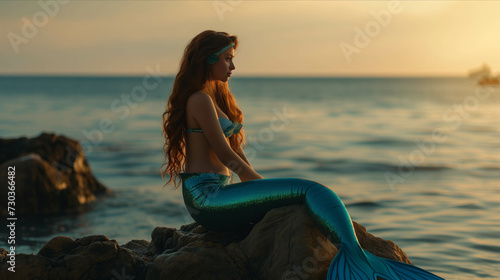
(276, 38)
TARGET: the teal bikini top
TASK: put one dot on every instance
(229, 128)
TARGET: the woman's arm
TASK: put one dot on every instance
(242, 156)
(204, 112)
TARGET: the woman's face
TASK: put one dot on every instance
(222, 68)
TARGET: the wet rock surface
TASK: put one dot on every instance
(284, 245)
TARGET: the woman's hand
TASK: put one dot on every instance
(254, 176)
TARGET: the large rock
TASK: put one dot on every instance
(51, 175)
(284, 245)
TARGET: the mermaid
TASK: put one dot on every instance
(204, 139)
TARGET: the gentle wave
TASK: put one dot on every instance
(355, 166)
(384, 142)
(365, 204)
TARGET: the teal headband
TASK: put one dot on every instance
(213, 58)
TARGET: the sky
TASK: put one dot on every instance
(276, 38)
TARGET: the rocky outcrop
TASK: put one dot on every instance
(51, 175)
(284, 245)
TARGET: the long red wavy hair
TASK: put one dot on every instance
(195, 75)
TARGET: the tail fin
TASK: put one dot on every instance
(365, 266)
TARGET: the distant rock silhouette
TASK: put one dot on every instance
(51, 175)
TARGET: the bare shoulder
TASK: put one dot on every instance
(199, 104)
(199, 99)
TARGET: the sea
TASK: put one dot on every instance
(414, 159)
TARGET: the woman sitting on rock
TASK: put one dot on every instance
(203, 133)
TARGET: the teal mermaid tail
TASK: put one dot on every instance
(365, 266)
(218, 205)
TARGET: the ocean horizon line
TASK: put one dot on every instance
(244, 76)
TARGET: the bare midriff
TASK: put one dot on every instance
(200, 157)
